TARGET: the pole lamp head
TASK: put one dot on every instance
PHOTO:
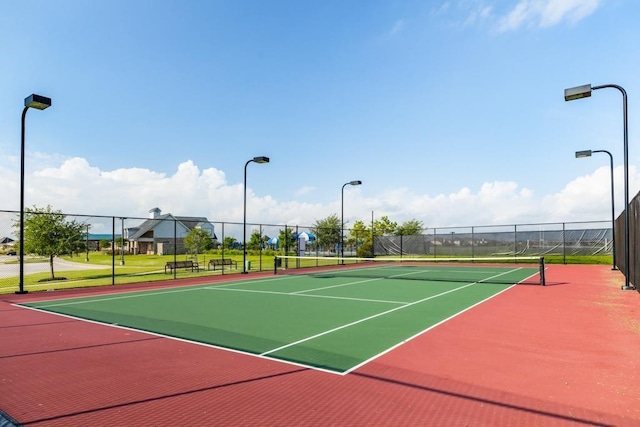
(584, 153)
(261, 159)
(577, 92)
(355, 182)
(38, 102)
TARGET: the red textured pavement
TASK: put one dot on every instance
(564, 354)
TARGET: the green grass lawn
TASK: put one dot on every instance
(136, 268)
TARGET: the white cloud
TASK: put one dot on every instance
(303, 191)
(546, 13)
(74, 186)
(480, 14)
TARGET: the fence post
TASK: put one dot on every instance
(222, 256)
(113, 251)
(261, 244)
(472, 243)
(175, 246)
(435, 247)
(564, 244)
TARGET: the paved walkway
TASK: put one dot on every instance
(9, 267)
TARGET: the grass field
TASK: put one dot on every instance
(334, 324)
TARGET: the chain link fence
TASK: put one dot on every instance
(632, 271)
(558, 239)
(112, 250)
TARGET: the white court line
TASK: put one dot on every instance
(296, 294)
(336, 286)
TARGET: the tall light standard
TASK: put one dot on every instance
(39, 103)
(342, 217)
(584, 91)
(260, 159)
(587, 153)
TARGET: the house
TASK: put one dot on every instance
(161, 234)
(6, 242)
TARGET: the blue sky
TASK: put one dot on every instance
(450, 112)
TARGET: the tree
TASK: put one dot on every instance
(287, 239)
(255, 241)
(384, 226)
(229, 242)
(328, 231)
(104, 244)
(197, 241)
(48, 233)
(409, 228)
(358, 233)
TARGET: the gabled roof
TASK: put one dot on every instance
(192, 222)
(189, 222)
(6, 240)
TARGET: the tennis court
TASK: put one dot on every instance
(331, 319)
(560, 354)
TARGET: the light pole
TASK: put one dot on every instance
(587, 153)
(39, 103)
(342, 217)
(584, 91)
(259, 159)
(86, 243)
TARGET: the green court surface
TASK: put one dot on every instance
(329, 323)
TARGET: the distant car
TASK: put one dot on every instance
(12, 253)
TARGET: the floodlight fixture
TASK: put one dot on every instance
(260, 159)
(584, 153)
(577, 92)
(38, 102)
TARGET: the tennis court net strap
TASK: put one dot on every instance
(506, 270)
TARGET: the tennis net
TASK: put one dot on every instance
(504, 270)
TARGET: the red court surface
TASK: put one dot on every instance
(564, 354)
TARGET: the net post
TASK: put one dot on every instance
(543, 281)
(275, 264)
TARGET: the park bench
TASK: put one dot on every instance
(222, 262)
(171, 265)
